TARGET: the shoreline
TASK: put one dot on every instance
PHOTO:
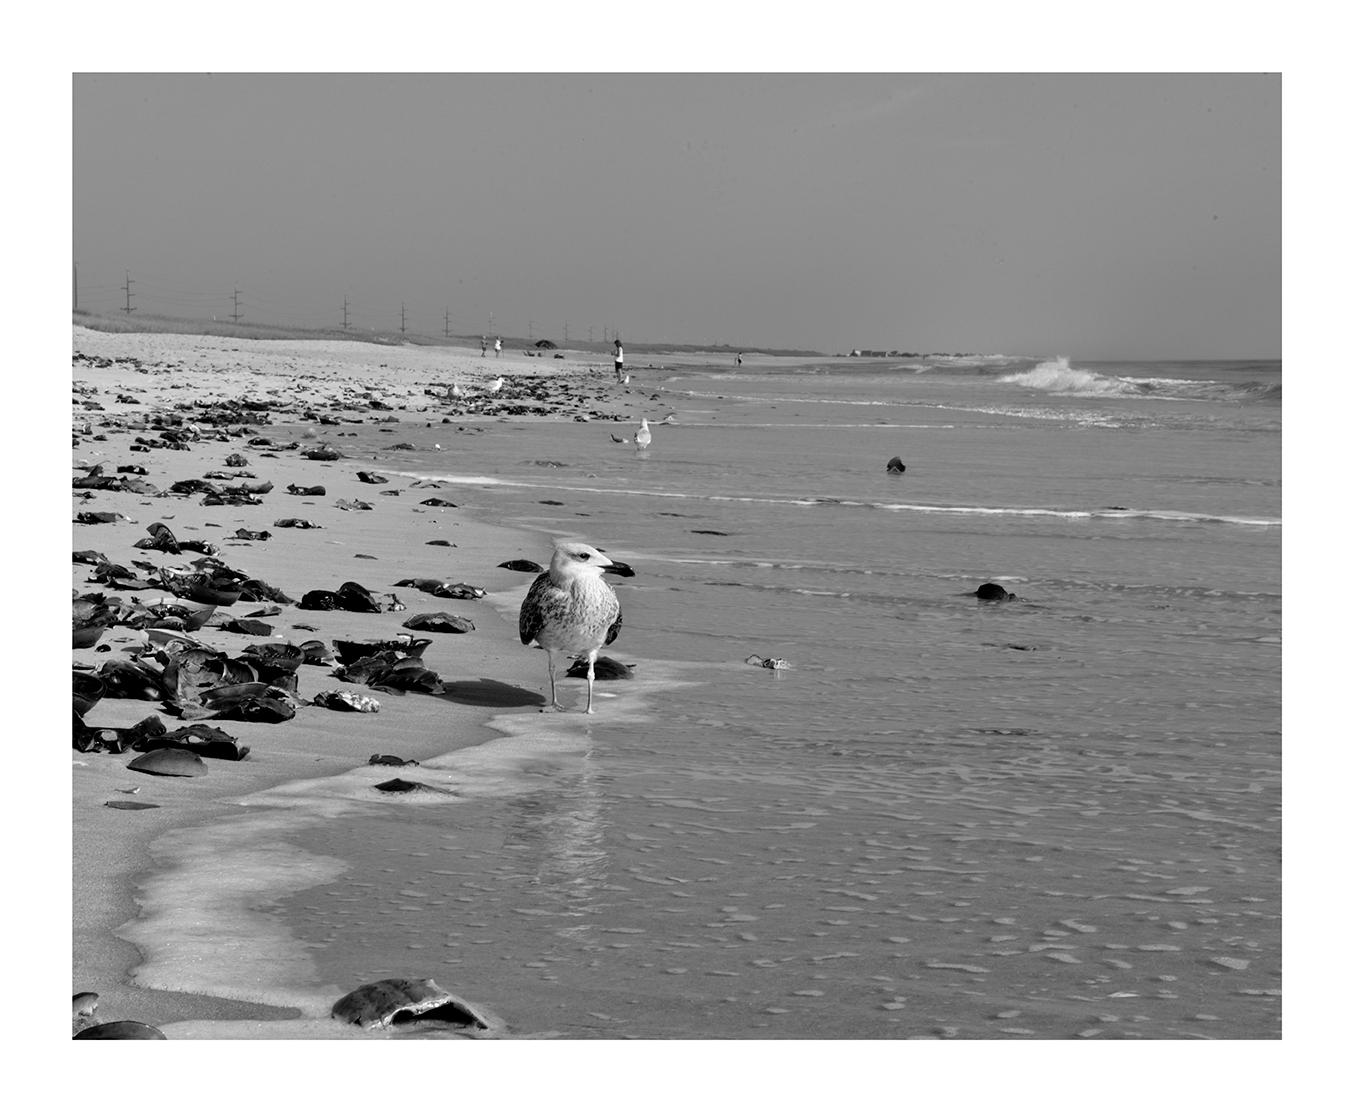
(113, 850)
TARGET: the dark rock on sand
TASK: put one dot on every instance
(121, 1029)
(403, 645)
(295, 523)
(247, 626)
(438, 502)
(87, 691)
(306, 492)
(604, 669)
(323, 453)
(442, 589)
(440, 622)
(130, 805)
(398, 1001)
(346, 701)
(441, 544)
(350, 596)
(387, 759)
(993, 592)
(523, 565)
(369, 477)
(398, 786)
(895, 466)
(169, 762)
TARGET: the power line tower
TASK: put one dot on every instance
(127, 289)
(566, 333)
(401, 316)
(235, 314)
(446, 325)
(345, 312)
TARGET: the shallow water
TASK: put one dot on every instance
(1053, 817)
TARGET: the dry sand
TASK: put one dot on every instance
(488, 669)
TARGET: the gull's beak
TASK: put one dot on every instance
(617, 568)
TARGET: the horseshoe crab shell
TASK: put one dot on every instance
(397, 1002)
(169, 762)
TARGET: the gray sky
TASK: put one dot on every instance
(1094, 216)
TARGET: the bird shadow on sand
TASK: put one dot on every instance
(490, 693)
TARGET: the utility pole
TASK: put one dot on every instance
(566, 333)
(235, 316)
(446, 325)
(531, 330)
(491, 322)
(401, 316)
(127, 289)
(345, 312)
(75, 284)
(589, 333)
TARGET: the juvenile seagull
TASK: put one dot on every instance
(644, 437)
(570, 610)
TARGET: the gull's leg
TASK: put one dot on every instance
(592, 659)
(550, 667)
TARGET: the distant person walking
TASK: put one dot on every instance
(619, 356)
(484, 346)
(498, 346)
(740, 358)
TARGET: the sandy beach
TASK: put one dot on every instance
(128, 388)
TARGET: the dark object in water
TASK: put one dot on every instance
(169, 762)
(711, 532)
(440, 622)
(895, 466)
(441, 544)
(398, 1001)
(387, 759)
(121, 1029)
(993, 592)
(130, 805)
(604, 669)
(306, 492)
(523, 565)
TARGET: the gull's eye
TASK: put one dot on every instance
(584, 556)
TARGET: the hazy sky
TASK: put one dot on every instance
(1094, 216)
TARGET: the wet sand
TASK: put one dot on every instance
(123, 383)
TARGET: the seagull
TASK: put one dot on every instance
(570, 610)
(495, 386)
(456, 391)
(670, 419)
(644, 436)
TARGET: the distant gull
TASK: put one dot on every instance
(497, 385)
(456, 391)
(570, 610)
(644, 437)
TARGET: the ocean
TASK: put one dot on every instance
(1051, 817)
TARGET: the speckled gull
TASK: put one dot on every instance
(644, 436)
(570, 610)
